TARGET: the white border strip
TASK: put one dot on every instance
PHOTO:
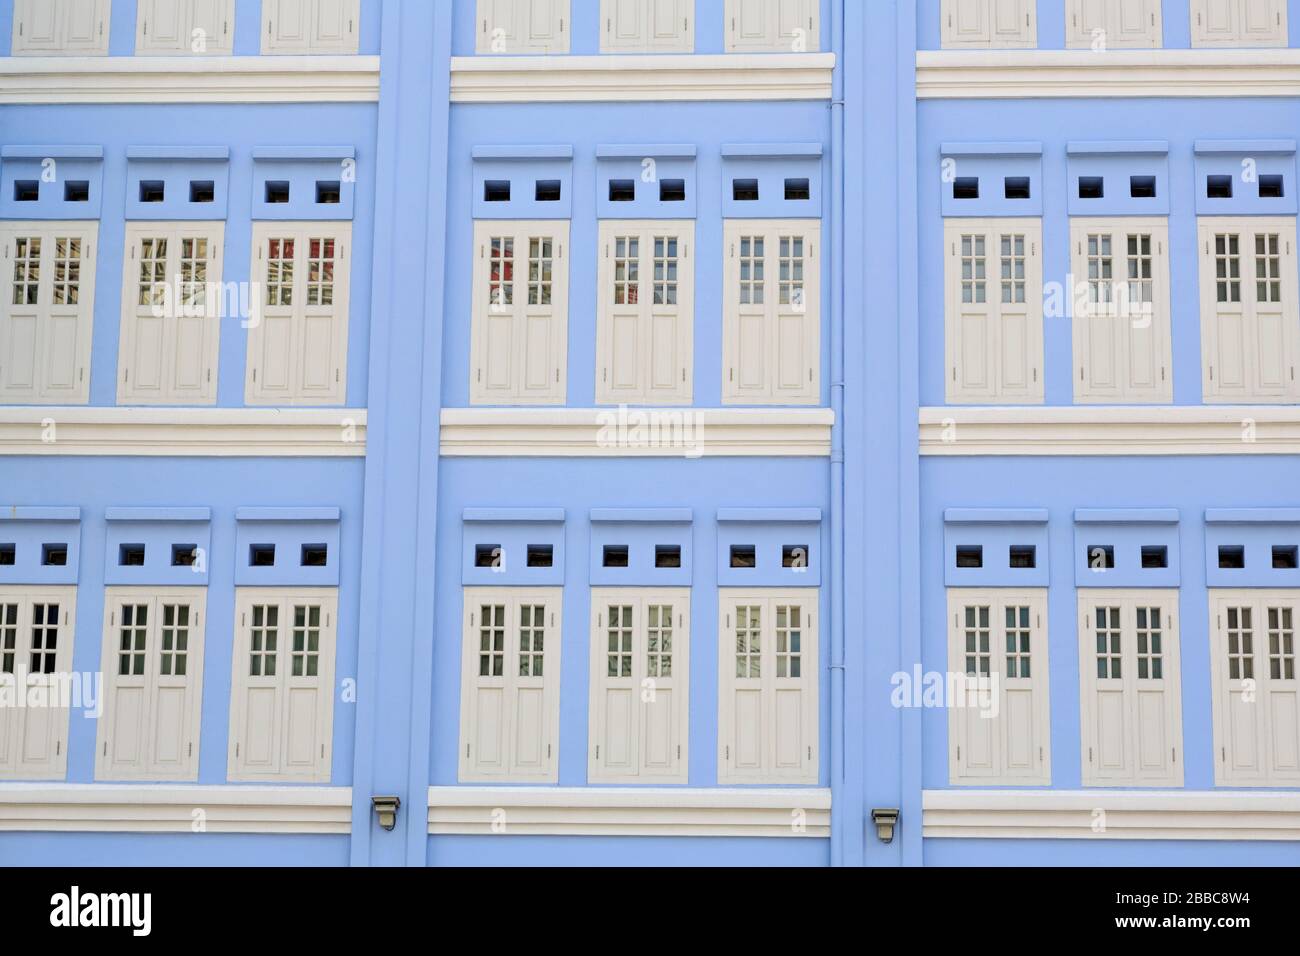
(587, 811)
(109, 808)
(1111, 815)
(636, 432)
(957, 431)
(183, 432)
(193, 79)
(654, 77)
(1037, 74)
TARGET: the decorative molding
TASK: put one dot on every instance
(957, 431)
(586, 811)
(1038, 74)
(1129, 814)
(183, 432)
(189, 79)
(636, 432)
(641, 78)
(112, 808)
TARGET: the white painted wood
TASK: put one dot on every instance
(994, 326)
(510, 688)
(772, 26)
(282, 693)
(1250, 326)
(45, 325)
(640, 685)
(297, 350)
(645, 318)
(37, 628)
(647, 26)
(1256, 691)
(153, 684)
(522, 26)
(988, 24)
(1239, 23)
(519, 337)
(768, 673)
(998, 729)
(182, 27)
(771, 329)
(1131, 717)
(60, 27)
(310, 26)
(1122, 351)
(1102, 25)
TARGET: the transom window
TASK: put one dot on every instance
(1017, 641)
(1150, 655)
(1013, 268)
(1109, 646)
(749, 641)
(264, 636)
(27, 270)
(541, 265)
(627, 270)
(1281, 644)
(67, 271)
(1140, 274)
(1268, 268)
(501, 271)
(1241, 652)
(491, 640)
(751, 270)
(194, 270)
(659, 641)
(789, 641)
(620, 641)
(132, 639)
(45, 638)
(532, 633)
(978, 650)
(1100, 269)
(153, 271)
(305, 656)
(8, 637)
(791, 264)
(320, 272)
(175, 647)
(665, 270)
(973, 269)
(1227, 267)
(279, 272)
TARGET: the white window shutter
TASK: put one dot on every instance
(34, 740)
(970, 290)
(625, 25)
(20, 322)
(1239, 23)
(60, 27)
(772, 26)
(37, 27)
(988, 24)
(216, 20)
(162, 25)
(1118, 24)
(523, 26)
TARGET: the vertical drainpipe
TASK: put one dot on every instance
(841, 816)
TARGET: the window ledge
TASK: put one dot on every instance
(189, 79)
(1128, 815)
(963, 431)
(1037, 74)
(641, 78)
(111, 808)
(590, 811)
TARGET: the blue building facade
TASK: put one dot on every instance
(742, 432)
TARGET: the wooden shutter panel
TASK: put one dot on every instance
(216, 19)
(971, 333)
(271, 340)
(256, 709)
(163, 25)
(484, 715)
(308, 698)
(20, 323)
(618, 620)
(36, 745)
(37, 26)
(1019, 327)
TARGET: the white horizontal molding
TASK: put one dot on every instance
(631, 78)
(1038, 74)
(584, 811)
(189, 79)
(184, 432)
(956, 431)
(636, 432)
(109, 808)
(1111, 815)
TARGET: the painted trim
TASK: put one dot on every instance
(520, 153)
(169, 515)
(675, 151)
(106, 808)
(1252, 515)
(642, 516)
(303, 154)
(1111, 430)
(278, 515)
(183, 432)
(1039, 74)
(1154, 147)
(586, 811)
(991, 149)
(1129, 815)
(513, 516)
(189, 79)
(51, 152)
(1245, 147)
(575, 432)
(995, 516)
(769, 516)
(641, 78)
(1126, 516)
(178, 154)
(24, 513)
(771, 150)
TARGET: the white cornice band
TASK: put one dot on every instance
(193, 79)
(184, 432)
(641, 78)
(109, 808)
(585, 811)
(964, 431)
(636, 432)
(1038, 74)
(1110, 815)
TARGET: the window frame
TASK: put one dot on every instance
(188, 20)
(312, 43)
(951, 13)
(1078, 36)
(556, 42)
(682, 41)
(64, 44)
(773, 39)
(1238, 35)
(14, 721)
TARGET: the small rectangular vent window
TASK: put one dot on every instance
(744, 556)
(1232, 557)
(541, 556)
(1092, 187)
(76, 190)
(672, 190)
(966, 187)
(496, 190)
(131, 555)
(261, 556)
(547, 190)
(1218, 187)
(26, 190)
(8, 554)
(622, 190)
(203, 190)
(54, 555)
(1101, 556)
(1155, 556)
(668, 556)
(1023, 556)
(152, 190)
(1286, 557)
(1016, 187)
(615, 556)
(1270, 187)
(489, 556)
(184, 555)
(328, 192)
(797, 189)
(315, 555)
(970, 556)
(1142, 187)
(277, 192)
(744, 190)
(795, 556)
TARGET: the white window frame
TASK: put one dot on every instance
(766, 766)
(44, 727)
(44, 388)
(1003, 383)
(1100, 24)
(513, 766)
(1248, 708)
(60, 40)
(1252, 23)
(800, 383)
(300, 316)
(1031, 714)
(215, 18)
(956, 18)
(133, 703)
(647, 699)
(281, 765)
(681, 39)
(1132, 723)
(1285, 314)
(652, 382)
(314, 39)
(491, 37)
(782, 22)
(516, 318)
(174, 325)
(1126, 334)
